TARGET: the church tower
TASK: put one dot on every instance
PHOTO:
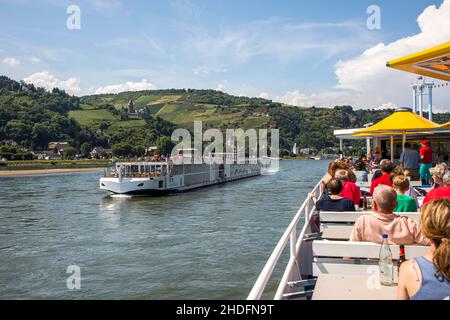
(130, 106)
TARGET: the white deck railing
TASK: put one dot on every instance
(290, 235)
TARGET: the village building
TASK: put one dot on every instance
(100, 152)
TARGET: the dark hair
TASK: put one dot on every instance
(407, 145)
(360, 165)
(387, 166)
(334, 186)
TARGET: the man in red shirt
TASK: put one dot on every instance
(386, 167)
(426, 157)
(441, 192)
(350, 190)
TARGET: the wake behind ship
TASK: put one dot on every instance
(167, 177)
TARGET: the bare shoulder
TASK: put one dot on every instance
(407, 267)
(410, 271)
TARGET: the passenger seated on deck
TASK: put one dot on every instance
(349, 189)
(439, 193)
(404, 202)
(333, 201)
(333, 167)
(437, 174)
(428, 277)
(400, 229)
(360, 170)
(386, 168)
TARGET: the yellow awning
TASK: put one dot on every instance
(392, 133)
(446, 125)
(398, 123)
(433, 62)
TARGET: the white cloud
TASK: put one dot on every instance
(127, 86)
(34, 60)
(47, 80)
(365, 81)
(275, 37)
(324, 99)
(264, 95)
(204, 71)
(11, 61)
(200, 71)
(221, 87)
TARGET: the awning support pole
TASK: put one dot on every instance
(430, 102)
(392, 148)
(403, 141)
(421, 100)
(368, 146)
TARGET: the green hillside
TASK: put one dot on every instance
(87, 117)
(308, 127)
(32, 117)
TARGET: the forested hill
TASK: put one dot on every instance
(33, 117)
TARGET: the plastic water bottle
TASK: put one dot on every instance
(386, 265)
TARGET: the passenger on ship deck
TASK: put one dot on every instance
(428, 277)
(437, 174)
(440, 192)
(410, 162)
(349, 189)
(386, 168)
(383, 220)
(334, 201)
(404, 202)
(377, 173)
(333, 167)
(426, 157)
(361, 171)
(411, 192)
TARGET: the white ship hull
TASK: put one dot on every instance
(190, 176)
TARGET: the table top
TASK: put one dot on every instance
(352, 287)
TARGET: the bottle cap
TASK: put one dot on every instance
(385, 236)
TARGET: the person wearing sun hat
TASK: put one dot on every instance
(426, 158)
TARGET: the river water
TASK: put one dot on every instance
(210, 243)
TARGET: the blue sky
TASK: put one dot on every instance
(284, 50)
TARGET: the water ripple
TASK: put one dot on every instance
(206, 244)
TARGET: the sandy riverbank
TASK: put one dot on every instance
(5, 173)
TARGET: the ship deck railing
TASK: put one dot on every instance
(334, 226)
(289, 237)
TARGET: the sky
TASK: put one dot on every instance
(306, 53)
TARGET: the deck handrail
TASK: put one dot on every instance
(289, 235)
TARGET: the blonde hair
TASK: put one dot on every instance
(438, 172)
(435, 225)
(341, 164)
(401, 182)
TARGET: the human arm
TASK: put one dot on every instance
(356, 234)
(419, 237)
(313, 197)
(357, 197)
(372, 186)
(402, 160)
(404, 277)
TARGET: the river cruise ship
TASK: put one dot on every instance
(322, 263)
(140, 178)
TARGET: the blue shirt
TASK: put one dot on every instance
(432, 287)
(410, 159)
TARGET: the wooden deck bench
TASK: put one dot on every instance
(339, 225)
(328, 256)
